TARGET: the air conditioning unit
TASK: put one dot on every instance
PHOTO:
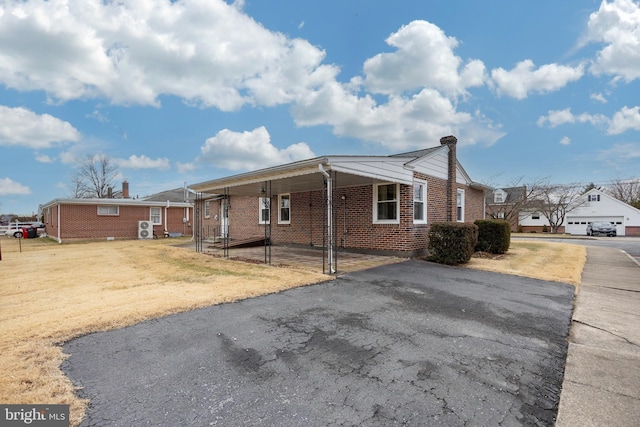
(145, 230)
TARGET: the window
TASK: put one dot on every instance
(385, 204)
(108, 210)
(460, 206)
(207, 209)
(265, 210)
(500, 215)
(155, 216)
(498, 197)
(284, 209)
(535, 215)
(593, 198)
(419, 202)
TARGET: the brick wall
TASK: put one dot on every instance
(83, 222)
(352, 218)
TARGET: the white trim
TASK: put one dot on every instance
(375, 204)
(424, 201)
(460, 218)
(260, 204)
(151, 208)
(117, 213)
(280, 207)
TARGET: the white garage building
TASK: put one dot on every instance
(599, 206)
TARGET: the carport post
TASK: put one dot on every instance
(332, 270)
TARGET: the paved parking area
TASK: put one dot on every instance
(410, 343)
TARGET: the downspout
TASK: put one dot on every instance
(329, 220)
(166, 218)
(59, 225)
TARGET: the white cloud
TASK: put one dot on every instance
(557, 118)
(424, 58)
(249, 150)
(523, 79)
(616, 25)
(565, 141)
(43, 158)
(132, 51)
(620, 154)
(624, 120)
(9, 186)
(22, 127)
(598, 97)
(185, 167)
(142, 162)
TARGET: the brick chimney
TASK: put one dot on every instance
(125, 189)
(450, 141)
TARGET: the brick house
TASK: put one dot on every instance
(163, 214)
(506, 203)
(378, 204)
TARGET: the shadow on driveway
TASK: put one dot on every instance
(412, 343)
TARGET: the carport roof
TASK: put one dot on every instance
(306, 176)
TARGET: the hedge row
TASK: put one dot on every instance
(455, 243)
(494, 236)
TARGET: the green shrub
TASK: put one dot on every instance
(452, 243)
(494, 236)
(545, 229)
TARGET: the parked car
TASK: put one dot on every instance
(23, 229)
(601, 227)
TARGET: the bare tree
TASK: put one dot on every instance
(94, 177)
(555, 201)
(79, 189)
(626, 190)
(518, 197)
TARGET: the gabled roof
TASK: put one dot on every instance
(513, 194)
(611, 198)
(306, 175)
(175, 195)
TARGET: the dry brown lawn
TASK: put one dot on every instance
(50, 293)
(557, 262)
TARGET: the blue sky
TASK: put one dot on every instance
(187, 91)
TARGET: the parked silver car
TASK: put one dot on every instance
(601, 227)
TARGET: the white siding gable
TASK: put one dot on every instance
(607, 206)
(435, 164)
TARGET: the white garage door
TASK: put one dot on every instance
(578, 224)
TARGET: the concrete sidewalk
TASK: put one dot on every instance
(602, 376)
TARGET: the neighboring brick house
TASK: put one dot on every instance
(381, 204)
(506, 204)
(159, 215)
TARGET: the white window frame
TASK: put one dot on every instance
(498, 197)
(108, 210)
(155, 218)
(423, 201)
(396, 220)
(260, 209)
(207, 209)
(460, 205)
(593, 198)
(282, 197)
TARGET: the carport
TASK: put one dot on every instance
(325, 174)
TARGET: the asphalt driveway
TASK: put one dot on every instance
(413, 343)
